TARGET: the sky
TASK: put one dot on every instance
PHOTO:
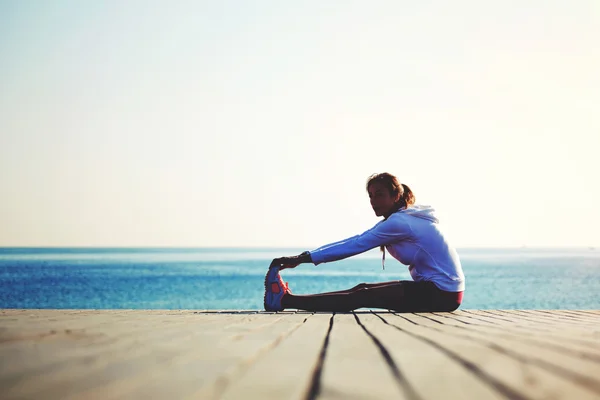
(257, 123)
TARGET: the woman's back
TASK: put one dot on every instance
(422, 246)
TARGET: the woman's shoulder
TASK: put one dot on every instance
(421, 211)
(396, 222)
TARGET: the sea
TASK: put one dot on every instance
(233, 278)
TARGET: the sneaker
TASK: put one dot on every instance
(275, 288)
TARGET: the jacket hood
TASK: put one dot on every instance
(421, 211)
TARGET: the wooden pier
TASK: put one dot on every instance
(186, 354)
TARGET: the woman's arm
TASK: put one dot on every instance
(385, 232)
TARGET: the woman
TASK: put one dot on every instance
(410, 233)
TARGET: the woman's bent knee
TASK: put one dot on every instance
(360, 286)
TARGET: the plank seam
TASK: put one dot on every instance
(576, 377)
(408, 390)
(496, 316)
(454, 319)
(315, 383)
(565, 317)
(222, 382)
(474, 369)
(545, 344)
(576, 341)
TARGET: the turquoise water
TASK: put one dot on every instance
(233, 278)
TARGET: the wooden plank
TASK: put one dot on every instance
(230, 354)
(63, 355)
(354, 366)
(87, 341)
(79, 321)
(549, 339)
(544, 318)
(420, 364)
(504, 317)
(486, 317)
(115, 360)
(288, 371)
(566, 314)
(565, 364)
(593, 312)
(555, 324)
(524, 318)
(576, 312)
(556, 318)
(15, 331)
(513, 377)
(588, 335)
(204, 359)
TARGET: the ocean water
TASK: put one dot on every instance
(232, 278)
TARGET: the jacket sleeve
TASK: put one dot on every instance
(385, 232)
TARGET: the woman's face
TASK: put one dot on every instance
(381, 199)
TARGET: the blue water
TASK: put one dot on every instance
(233, 278)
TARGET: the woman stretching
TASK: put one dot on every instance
(410, 233)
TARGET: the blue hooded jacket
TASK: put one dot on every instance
(413, 237)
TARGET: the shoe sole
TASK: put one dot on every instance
(265, 296)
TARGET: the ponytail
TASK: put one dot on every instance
(408, 197)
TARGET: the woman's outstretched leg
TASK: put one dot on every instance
(387, 295)
(357, 287)
(401, 296)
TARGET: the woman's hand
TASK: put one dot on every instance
(291, 262)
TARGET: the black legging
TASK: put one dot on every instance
(400, 296)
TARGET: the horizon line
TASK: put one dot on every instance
(223, 247)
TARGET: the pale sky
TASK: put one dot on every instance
(257, 123)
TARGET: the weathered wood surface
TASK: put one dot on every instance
(143, 354)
